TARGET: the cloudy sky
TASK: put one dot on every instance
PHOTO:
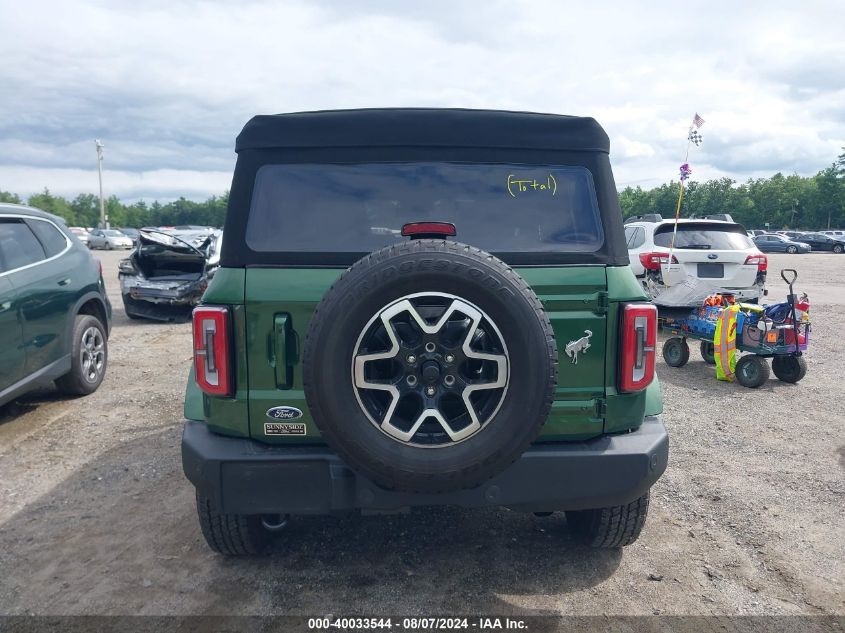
(167, 84)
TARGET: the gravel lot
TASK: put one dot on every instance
(97, 518)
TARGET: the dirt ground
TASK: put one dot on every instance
(97, 518)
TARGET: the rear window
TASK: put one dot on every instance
(51, 238)
(18, 245)
(634, 236)
(362, 207)
(703, 236)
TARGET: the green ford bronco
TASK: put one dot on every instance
(422, 307)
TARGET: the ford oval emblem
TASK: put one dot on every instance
(284, 413)
(712, 256)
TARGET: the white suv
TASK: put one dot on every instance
(709, 256)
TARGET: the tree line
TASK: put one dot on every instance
(784, 202)
(84, 210)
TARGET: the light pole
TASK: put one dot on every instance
(104, 219)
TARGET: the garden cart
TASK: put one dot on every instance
(779, 331)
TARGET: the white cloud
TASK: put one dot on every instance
(634, 149)
(168, 85)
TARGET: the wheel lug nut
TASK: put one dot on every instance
(450, 358)
(412, 359)
(429, 391)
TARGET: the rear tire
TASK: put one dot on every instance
(837, 248)
(612, 527)
(88, 343)
(676, 352)
(708, 353)
(789, 368)
(752, 371)
(231, 534)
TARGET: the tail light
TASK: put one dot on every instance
(212, 357)
(639, 339)
(653, 261)
(417, 230)
(759, 260)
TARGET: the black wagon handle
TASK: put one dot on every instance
(794, 272)
(791, 300)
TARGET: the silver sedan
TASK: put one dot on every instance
(108, 239)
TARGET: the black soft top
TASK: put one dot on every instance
(401, 135)
(423, 127)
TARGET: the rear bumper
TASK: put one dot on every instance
(746, 294)
(157, 311)
(183, 293)
(245, 477)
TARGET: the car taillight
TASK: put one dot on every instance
(639, 338)
(759, 260)
(212, 358)
(653, 261)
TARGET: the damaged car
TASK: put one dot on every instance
(165, 275)
(707, 256)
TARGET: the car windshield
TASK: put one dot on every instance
(362, 207)
(113, 233)
(731, 237)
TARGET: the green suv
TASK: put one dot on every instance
(54, 312)
(422, 307)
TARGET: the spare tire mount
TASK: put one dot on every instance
(443, 375)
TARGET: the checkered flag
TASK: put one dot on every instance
(695, 137)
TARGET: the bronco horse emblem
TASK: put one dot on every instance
(580, 345)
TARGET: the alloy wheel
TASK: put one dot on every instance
(92, 355)
(430, 369)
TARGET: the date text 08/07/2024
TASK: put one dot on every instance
(417, 624)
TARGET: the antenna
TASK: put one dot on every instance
(104, 220)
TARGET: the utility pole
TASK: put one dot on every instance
(104, 219)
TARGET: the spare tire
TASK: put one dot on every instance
(429, 366)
